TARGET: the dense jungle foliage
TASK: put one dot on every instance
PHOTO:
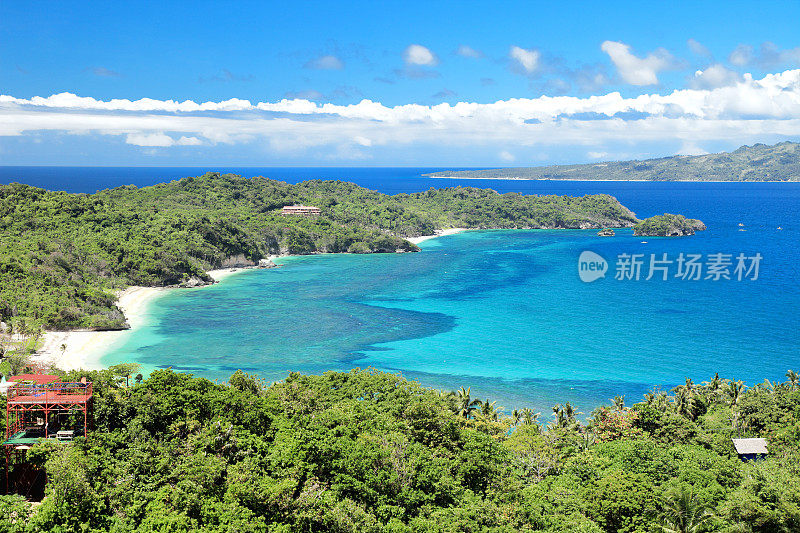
(367, 451)
(62, 255)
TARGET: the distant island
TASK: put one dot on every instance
(64, 257)
(760, 162)
(668, 225)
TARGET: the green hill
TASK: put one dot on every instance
(759, 162)
(63, 255)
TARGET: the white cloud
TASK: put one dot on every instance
(71, 101)
(327, 62)
(690, 148)
(741, 56)
(698, 48)
(746, 111)
(636, 70)
(768, 56)
(507, 156)
(527, 59)
(790, 57)
(309, 94)
(714, 76)
(597, 155)
(416, 54)
(776, 95)
(188, 141)
(160, 139)
(149, 139)
(468, 51)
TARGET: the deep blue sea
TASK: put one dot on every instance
(502, 311)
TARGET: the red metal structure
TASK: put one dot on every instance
(42, 406)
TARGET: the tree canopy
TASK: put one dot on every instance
(370, 451)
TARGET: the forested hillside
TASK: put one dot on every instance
(369, 452)
(62, 255)
(760, 162)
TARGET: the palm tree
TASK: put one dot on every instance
(530, 418)
(683, 401)
(619, 402)
(793, 378)
(565, 415)
(689, 388)
(683, 513)
(466, 405)
(734, 391)
(570, 412)
(586, 441)
(525, 417)
(37, 334)
(558, 412)
(715, 384)
(656, 397)
(488, 410)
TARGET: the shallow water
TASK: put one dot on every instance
(505, 311)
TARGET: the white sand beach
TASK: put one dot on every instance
(223, 273)
(439, 233)
(70, 350)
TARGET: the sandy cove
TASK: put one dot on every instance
(76, 349)
(85, 349)
(438, 233)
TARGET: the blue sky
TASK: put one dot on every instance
(684, 78)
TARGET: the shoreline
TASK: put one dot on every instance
(84, 349)
(603, 181)
(438, 233)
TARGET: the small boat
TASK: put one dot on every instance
(741, 225)
(780, 227)
(742, 230)
(644, 242)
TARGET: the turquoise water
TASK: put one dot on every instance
(505, 311)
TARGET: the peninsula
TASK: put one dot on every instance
(760, 162)
(65, 258)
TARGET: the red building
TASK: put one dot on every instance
(42, 407)
(302, 210)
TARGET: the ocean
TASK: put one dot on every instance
(504, 312)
